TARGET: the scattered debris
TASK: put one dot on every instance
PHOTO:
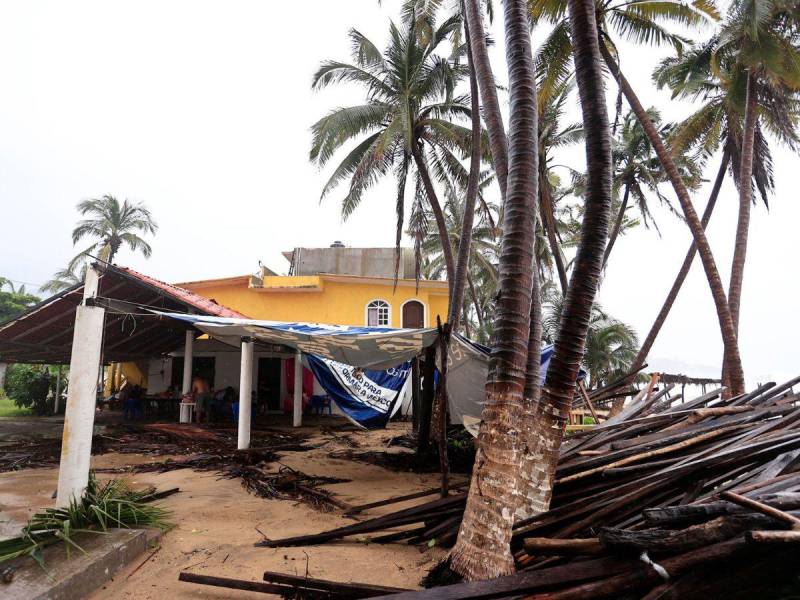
(655, 457)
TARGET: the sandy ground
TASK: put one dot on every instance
(217, 522)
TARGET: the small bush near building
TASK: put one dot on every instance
(29, 387)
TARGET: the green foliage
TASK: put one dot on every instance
(14, 301)
(102, 507)
(29, 387)
(611, 345)
(9, 409)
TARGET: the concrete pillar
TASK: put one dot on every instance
(57, 401)
(297, 420)
(84, 366)
(3, 367)
(245, 391)
(188, 356)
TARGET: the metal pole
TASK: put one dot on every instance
(297, 420)
(245, 391)
(76, 443)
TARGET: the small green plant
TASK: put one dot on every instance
(102, 507)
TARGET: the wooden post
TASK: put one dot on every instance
(426, 404)
(588, 402)
(245, 391)
(84, 366)
(297, 417)
(57, 400)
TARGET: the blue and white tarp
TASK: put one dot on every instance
(367, 397)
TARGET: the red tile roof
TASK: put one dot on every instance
(206, 305)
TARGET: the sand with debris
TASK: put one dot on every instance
(217, 522)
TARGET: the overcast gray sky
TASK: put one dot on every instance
(202, 110)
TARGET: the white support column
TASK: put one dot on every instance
(186, 387)
(245, 391)
(297, 420)
(57, 401)
(76, 443)
(3, 367)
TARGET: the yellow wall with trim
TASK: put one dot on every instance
(337, 303)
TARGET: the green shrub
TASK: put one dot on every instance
(29, 387)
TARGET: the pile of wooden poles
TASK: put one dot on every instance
(656, 458)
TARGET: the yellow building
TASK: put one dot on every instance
(335, 285)
(330, 298)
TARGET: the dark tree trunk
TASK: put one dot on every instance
(684, 270)
(482, 550)
(617, 225)
(732, 361)
(478, 309)
(459, 282)
(547, 210)
(498, 143)
(559, 388)
(438, 215)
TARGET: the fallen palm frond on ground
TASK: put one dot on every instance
(250, 466)
(102, 507)
(155, 439)
(654, 479)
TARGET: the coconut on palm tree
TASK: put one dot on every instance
(408, 124)
(112, 225)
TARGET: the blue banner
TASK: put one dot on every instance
(368, 398)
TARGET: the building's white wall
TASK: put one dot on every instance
(159, 373)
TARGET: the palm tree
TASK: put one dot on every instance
(716, 125)
(552, 412)
(552, 136)
(64, 279)
(761, 37)
(114, 225)
(407, 119)
(482, 549)
(636, 172)
(640, 21)
(610, 344)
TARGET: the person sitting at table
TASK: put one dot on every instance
(201, 393)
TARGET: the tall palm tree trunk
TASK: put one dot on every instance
(482, 550)
(438, 215)
(547, 209)
(459, 281)
(745, 201)
(732, 361)
(684, 270)
(559, 387)
(617, 225)
(498, 142)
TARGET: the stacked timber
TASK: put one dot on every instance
(663, 500)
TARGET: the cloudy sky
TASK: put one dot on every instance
(202, 110)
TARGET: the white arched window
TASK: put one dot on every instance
(378, 313)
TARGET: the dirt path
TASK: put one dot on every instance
(217, 521)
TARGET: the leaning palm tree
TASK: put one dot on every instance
(407, 123)
(112, 225)
(642, 21)
(760, 37)
(715, 125)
